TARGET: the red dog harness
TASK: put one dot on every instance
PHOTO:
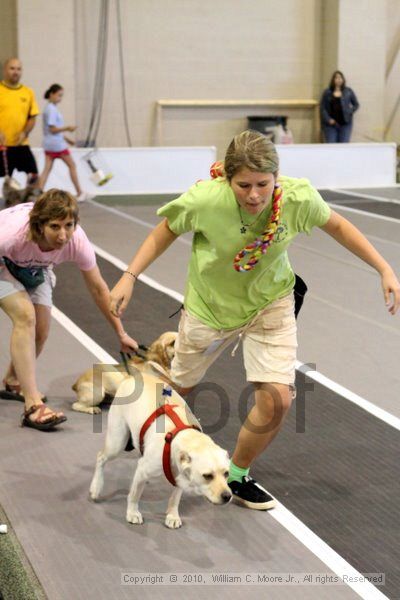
(168, 410)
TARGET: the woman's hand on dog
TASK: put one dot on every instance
(128, 344)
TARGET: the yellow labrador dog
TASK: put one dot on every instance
(158, 357)
(171, 441)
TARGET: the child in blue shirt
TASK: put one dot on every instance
(55, 144)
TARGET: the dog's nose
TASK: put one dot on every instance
(225, 497)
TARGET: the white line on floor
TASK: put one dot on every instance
(374, 238)
(189, 243)
(368, 406)
(319, 548)
(365, 213)
(368, 196)
(148, 280)
(176, 193)
(361, 266)
(282, 515)
(123, 215)
(82, 337)
(393, 330)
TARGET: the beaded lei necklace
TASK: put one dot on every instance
(261, 244)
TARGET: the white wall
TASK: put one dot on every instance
(173, 170)
(340, 165)
(133, 170)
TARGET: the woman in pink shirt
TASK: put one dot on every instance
(33, 238)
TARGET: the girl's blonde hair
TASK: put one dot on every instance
(50, 206)
(252, 150)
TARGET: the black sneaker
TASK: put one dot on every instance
(251, 494)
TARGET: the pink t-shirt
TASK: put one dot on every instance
(14, 227)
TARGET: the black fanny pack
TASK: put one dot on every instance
(30, 277)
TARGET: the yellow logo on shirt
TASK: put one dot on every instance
(281, 232)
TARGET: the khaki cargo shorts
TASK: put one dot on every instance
(269, 346)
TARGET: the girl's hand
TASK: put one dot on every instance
(391, 291)
(120, 295)
(71, 128)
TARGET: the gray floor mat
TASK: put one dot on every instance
(326, 475)
(79, 549)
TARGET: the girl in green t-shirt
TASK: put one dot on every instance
(240, 284)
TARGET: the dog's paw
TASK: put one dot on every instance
(91, 410)
(173, 521)
(134, 516)
(94, 492)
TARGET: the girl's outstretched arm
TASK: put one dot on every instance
(351, 238)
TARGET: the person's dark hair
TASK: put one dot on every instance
(52, 90)
(54, 205)
(332, 81)
(252, 150)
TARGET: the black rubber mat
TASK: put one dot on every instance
(387, 209)
(333, 465)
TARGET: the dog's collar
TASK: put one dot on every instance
(168, 410)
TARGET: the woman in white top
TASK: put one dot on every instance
(55, 144)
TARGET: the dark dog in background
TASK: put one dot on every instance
(13, 193)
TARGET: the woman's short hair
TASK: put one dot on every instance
(332, 81)
(250, 149)
(53, 89)
(54, 205)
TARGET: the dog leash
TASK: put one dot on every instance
(126, 355)
(176, 312)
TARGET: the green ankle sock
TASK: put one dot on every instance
(236, 473)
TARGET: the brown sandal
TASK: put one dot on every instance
(52, 421)
(13, 392)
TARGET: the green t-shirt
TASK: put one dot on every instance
(216, 293)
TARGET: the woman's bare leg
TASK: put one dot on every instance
(21, 311)
(69, 161)
(43, 319)
(48, 165)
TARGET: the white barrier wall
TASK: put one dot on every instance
(173, 170)
(340, 165)
(135, 170)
